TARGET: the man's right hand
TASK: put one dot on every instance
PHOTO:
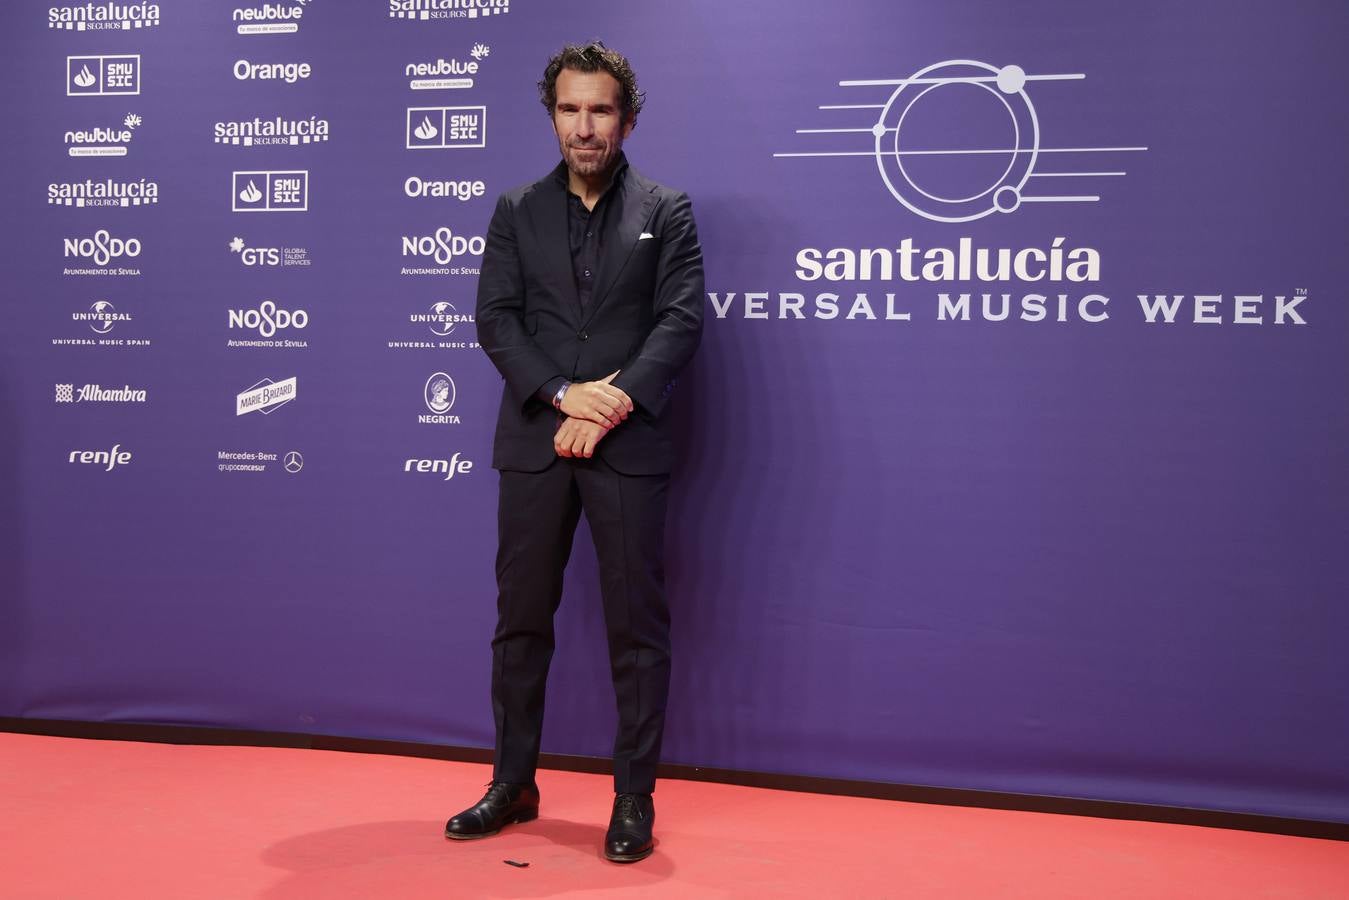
(597, 401)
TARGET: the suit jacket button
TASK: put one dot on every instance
(584, 335)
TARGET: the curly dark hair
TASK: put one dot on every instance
(593, 57)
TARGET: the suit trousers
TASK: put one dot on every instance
(536, 519)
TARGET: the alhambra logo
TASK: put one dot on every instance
(424, 10)
(103, 16)
(994, 165)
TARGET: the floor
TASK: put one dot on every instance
(111, 819)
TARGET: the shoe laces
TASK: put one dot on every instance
(497, 791)
(627, 807)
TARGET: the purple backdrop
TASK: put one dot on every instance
(1098, 557)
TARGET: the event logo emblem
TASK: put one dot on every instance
(446, 127)
(103, 16)
(271, 191)
(270, 18)
(267, 395)
(103, 76)
(447, 9)
(991, 163)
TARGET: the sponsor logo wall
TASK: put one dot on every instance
(1022, 377)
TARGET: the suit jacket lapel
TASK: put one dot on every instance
(547, 208)
(623, 226)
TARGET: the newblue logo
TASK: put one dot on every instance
(446, 74)
(446, 127)
(103, 76)
(269, 18)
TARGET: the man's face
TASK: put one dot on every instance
(587, 118)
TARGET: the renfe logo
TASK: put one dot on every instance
(263, 191)
(103, 76)
(449, 466)
(110, 458)
(446, 127)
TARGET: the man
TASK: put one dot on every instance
(589, 303)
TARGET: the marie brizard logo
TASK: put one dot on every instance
(990, 166)
(447, 9)
(266, 396)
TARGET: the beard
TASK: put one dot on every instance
(588, 164)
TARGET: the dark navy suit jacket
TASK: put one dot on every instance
(645, 316)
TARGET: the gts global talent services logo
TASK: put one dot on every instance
(993, 165)
(424, 10)
(109, 140)
(103, 76)
(269, 18)
(269, 257)
(103, 16)
(446, 74)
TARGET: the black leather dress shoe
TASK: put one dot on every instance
(503, 804)
(629, 837)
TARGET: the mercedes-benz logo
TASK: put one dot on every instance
(294, 462)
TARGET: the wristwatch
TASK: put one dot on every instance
(561, 392)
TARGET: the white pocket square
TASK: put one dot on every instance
(645, 235)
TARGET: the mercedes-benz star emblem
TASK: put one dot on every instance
(294, 462)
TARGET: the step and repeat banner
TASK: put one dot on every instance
(1014, 457)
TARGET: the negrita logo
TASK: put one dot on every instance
(103, 76)
(446, 127)
(424, 10)
(439, 395)
(103, 16)
(103, 140)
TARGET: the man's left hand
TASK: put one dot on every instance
(578, 437)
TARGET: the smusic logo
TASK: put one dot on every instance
(103, 76)
(270, 191)
(446, 127)
(277, 132)
(103, 193)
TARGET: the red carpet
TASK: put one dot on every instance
(110, 819)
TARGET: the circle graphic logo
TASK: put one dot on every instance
(439, 393)
(293, 461)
